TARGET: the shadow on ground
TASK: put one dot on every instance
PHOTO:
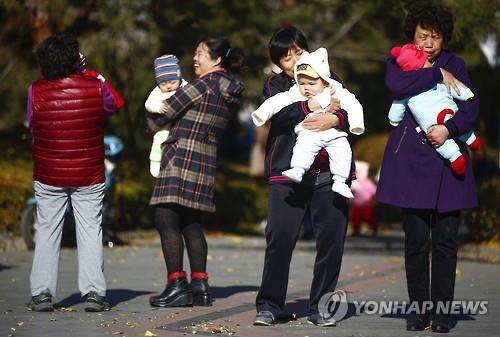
(453, 319)
(113, 296)
(223, 292)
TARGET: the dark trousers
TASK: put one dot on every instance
(423, 230)
(287, 206)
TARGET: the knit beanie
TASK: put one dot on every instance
(314, 65)
(409, 57)
(167, 68)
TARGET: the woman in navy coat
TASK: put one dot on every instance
(414, 176)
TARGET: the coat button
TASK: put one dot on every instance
(423, 140)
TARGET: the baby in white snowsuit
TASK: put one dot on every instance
(312, 77)
(169, 79)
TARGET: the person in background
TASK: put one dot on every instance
(68, 155)
(184, 189)
(168, 79)
(364, 190)
(417, 179)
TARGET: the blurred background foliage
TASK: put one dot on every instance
(121, 38)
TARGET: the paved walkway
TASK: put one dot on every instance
(372, 270)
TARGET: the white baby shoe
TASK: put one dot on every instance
(294, 174)
(342, 189)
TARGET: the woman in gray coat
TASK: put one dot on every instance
(184, 189)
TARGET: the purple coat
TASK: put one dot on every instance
(413, 174)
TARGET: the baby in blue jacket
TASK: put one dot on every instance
(434, 106)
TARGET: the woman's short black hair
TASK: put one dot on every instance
(58, 56)
(429, 15)
(220, 47)
(282, 40)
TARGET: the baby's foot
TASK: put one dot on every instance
(476, 144)
(294, 174)
(342, 189)
(458, 165)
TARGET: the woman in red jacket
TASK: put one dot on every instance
(66, 112)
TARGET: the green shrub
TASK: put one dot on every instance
(15, 188)
(483, 223)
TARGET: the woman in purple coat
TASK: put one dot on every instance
(414, 176)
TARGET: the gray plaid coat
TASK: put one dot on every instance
(199, 112)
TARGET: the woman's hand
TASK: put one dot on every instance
(437, 135)
(321, 122)
(450, 81)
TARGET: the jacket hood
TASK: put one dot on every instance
(230, 87)
(318, 61)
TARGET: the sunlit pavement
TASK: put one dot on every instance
(372, 270)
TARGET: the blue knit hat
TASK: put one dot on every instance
(167, 68)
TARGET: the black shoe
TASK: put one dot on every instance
(264, 318)
(96, 303)
(318, 320)
(201, 292)
(440, 324)
(42, 302)
(418, 323)
(176, 294)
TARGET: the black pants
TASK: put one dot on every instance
(424, 229)
(287, 205)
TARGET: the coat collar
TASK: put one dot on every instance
(443, 58)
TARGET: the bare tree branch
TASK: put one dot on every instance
(346, 27)
(7, 69)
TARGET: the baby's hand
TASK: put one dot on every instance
(324, 98)
(163, 109)
(334, 105)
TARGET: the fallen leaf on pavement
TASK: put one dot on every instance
(65, 309)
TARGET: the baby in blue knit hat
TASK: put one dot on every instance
(169, 79)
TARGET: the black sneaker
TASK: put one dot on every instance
(42, 302)
(96, 303)
(318, 320)
(264, 318)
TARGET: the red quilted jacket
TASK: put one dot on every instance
(68, 130)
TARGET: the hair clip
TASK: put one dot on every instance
(228, 51)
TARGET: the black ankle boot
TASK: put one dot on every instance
(440, 324)
(418, 322)
(201, 292)
(176, 294)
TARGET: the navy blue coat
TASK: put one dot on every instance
(413, 174)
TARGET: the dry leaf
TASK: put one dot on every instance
(149, 334)
(65, 309)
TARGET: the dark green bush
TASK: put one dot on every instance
(483, 223)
